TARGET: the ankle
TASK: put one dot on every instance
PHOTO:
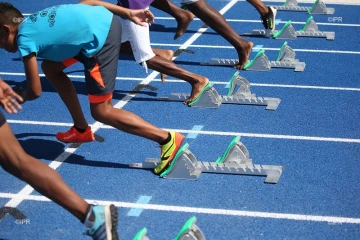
(264, 11)
(89, 217)
(167, 140)
(81, 129)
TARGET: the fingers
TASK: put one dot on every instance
(8, 107)
(150, 16)
(18, 97)
(11, 105)
(15, 104)
(11, 108)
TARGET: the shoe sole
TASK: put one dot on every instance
(111, 216)
(65, 141)
(174, 154)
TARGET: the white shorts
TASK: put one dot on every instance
(139, 38)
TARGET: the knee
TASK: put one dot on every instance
(99, 113)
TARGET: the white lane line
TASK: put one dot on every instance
(272, 136)
(216, 133)
(215, 82)
(270, 49)
(200, 210)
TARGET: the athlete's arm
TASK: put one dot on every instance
(33, 89)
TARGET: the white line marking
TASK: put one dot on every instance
(274, 136)
(215, 82)
(270, 49)
(68, 151)
(198, 210)
(217, 133)
(40, 123)
(302, 23)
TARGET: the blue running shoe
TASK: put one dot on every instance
(105, 225)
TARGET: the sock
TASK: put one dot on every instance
(80, 129)
(90, 217)
(166, 140)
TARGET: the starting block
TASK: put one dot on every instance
(235, 160)
(319, 7)
(189, 231)
(288, 32)
(209, 97)
(285, 59)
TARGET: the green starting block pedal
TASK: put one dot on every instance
(209, 97)
(319, 7)
(288, 32)
(261, 63)
(235, 160)
(189, 231)
(141, 235)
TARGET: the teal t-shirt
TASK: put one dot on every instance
(63, 31)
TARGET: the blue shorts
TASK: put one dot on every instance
(101, 69)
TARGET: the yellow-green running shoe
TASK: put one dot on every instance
(168, 152)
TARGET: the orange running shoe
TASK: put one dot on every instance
(74, 136)
(168, 152)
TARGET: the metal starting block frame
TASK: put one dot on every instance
(235, 160)
(285, 59)
(189, 231)
(319, 7)
(288, 32)
(209, 98)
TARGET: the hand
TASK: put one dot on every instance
(141, 17)
(9, 100)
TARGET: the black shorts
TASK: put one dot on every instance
(2, 119)
(101, 69)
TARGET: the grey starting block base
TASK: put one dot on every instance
(319, 7)
(243, 96)
(189, 231)
(235, 160)
(286, 59)
(289, 33)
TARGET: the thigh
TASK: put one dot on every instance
(9, 146)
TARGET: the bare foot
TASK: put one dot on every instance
(244, 53)
(196, 89)
(183, 24)
(167, 54)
